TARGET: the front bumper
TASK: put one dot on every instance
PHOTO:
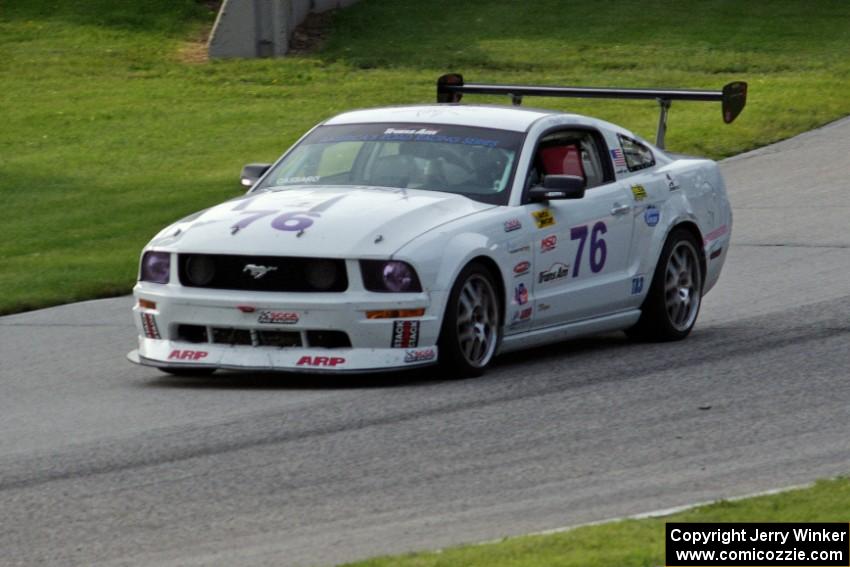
(374, 343)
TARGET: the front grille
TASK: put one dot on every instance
(262, 273)
(225, 336)
(328, 339)
(261, 337)
(279, 338)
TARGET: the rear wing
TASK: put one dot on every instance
(733, 97)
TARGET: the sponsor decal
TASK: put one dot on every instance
(522, 268)
(671, 183)
(652, 215)
(420, 355)
(188, 354)
(149, 326)
(543, 218)
(419, 132)
(521, 316)
(291, 180)
(320, 361)
(405, 334)
(619, 160)
(258, 271)
(512, 225)
(556, 271)
(543, 306)
(521, 294)
(549, 243)
(638, 192)
(278, 317)
(637, 285)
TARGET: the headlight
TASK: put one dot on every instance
(156, 267)
(321, 274)
(389, 276)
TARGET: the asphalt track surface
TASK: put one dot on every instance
(105, 463)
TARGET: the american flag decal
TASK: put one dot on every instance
(617, 156)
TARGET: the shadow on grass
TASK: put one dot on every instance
(158, 16)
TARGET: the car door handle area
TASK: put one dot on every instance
(620, 209)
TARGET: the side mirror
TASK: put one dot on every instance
(252, 172)
(558, 187)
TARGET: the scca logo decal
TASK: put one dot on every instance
(320, 361)
(187, 355)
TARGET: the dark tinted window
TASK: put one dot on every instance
(636, 155)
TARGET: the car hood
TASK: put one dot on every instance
(328, 222)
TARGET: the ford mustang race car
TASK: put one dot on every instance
(400, 237)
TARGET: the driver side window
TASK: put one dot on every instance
(569, 152)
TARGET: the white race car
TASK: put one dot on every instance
(399, 237)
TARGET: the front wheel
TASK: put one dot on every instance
(670, 309)
(471, 328)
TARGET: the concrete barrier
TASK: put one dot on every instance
(261, 28)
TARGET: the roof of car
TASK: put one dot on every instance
(514, 118)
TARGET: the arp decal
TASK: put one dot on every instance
(652, 215)
(556, 271)
(521, 294)
(598, 248)
(512, 225)
(638, 192)
(637, 285)
(522, 268)
(423, 355)
(278, 318)
(149, 326)
(543, 218)
(405, 334)
(320, 361)
(549, 243)
(187, 355)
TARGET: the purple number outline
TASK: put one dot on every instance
(578, 233)
(597, 244)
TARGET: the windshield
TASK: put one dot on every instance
(475, 162)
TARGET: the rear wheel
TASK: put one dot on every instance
(471, 328)
(671, 307)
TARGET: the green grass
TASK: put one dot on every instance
(633, 543)
(110, 130)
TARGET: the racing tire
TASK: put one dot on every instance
(672, 304)
(200, 372)
(472, 327)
